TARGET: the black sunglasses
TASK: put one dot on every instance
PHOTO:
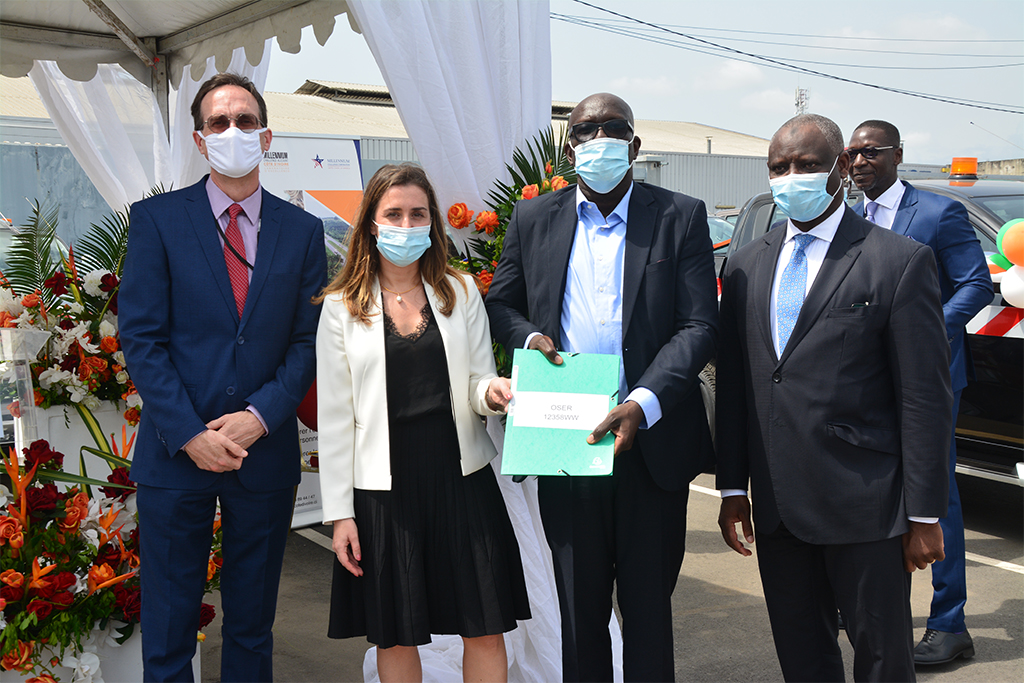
(616, 128)
(866, 152)
(245, 122)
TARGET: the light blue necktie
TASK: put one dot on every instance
(869, 211)
(791, 290)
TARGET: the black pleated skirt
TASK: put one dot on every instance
(438, 551)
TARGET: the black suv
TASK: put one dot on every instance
(990, 426)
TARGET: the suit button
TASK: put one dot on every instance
(230, 391)
(777, 377)
(241, 340)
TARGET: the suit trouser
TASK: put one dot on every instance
(804, 582)
(949, 577)
(175, 536)
(623, 530)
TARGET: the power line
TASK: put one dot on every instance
(567, 17)
(589, 23)
(775, 63)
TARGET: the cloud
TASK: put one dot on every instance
(646, 85)
(730, 76)
(775, 100)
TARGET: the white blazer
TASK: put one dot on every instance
(352, 410)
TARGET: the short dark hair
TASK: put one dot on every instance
(828, 128)
(889, 131)
(219, 81)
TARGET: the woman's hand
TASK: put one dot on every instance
(499, 393)
(346, 545)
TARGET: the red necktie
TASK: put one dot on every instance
(236, 269)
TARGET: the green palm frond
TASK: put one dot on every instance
(33, 257)
(104, 246)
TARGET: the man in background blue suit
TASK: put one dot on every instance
(219, 335)
(942, 224)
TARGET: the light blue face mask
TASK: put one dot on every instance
(602, 163)
(402, 246)
(803, 196)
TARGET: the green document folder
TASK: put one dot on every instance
(555, 408)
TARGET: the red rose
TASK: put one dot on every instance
(112, 306)
(57, 283)
(66, 324)
(108, 283)
(128, 600)
(119, 476)
(40, 452)
(64, 580)
(12, 594)
(40, 608)
(206, 615)
(42, 500)
(61, 601)
(108, 554)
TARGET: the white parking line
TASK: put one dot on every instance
(981, 559)
(319, 539)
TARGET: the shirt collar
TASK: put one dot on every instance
(826, 230)
(220, 202)
(890, 199)
(621, 209)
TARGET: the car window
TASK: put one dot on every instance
(1006, 208)
(721, 231)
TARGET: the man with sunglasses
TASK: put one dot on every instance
(942, 224)
(218, 332)
(617, 267)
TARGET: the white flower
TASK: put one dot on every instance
(86, 668)
(119, 358)
(107, 328)
(134, 401)
(53, 375)
(76, 308)
(5, 495)
(122, 377)
(3, 622)
(77, 393)
(92, 283)
(91, 402)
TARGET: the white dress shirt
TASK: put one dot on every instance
(887, 204)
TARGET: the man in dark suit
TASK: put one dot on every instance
(834, 401)
(942, 224)
(218, 333)
(610, 266)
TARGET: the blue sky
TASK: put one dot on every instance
(669, 83)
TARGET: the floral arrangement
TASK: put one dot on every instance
(545, 170)
(72, 294)
(69, 563)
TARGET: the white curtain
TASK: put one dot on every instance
(188, 164)
(112, 126)
(471, 82)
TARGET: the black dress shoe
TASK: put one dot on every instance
(939, 647)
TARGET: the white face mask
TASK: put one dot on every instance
(234, 153)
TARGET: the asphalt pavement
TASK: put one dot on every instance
(721, 624)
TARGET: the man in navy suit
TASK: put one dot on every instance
(942, 224)
(219, 335)
(617, 267)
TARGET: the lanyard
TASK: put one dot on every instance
(241, 259)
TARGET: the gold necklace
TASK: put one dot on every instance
(398, 295)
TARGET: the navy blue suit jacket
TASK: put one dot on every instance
(189, 355)
(964, 281)
(669, 309)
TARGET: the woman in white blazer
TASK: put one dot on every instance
(404, 372)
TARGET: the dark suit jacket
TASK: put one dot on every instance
(942, 224)
(669, 312)
(188, 353)
(848, 433)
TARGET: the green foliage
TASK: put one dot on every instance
(35, 253)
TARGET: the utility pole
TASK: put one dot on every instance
(803, 95)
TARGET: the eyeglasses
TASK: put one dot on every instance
(866, 152)
(616, 128)
(245, 122)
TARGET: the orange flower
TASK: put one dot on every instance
(131, 416)
(530, 191)
(109, 344)
(76, 509)
(103, 577)
(459, 216)
(213, 566)
(12, 577)
(545, 186)
(95, 368)
(558, 182)
(9, 527)
(31, 300)
(7, 320)
(483, 282)
(548, 169)
(486, 221)
(45, 678)
(18, 658)
(40, 396)
(37, 582)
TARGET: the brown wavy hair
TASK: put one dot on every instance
(362, 265)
